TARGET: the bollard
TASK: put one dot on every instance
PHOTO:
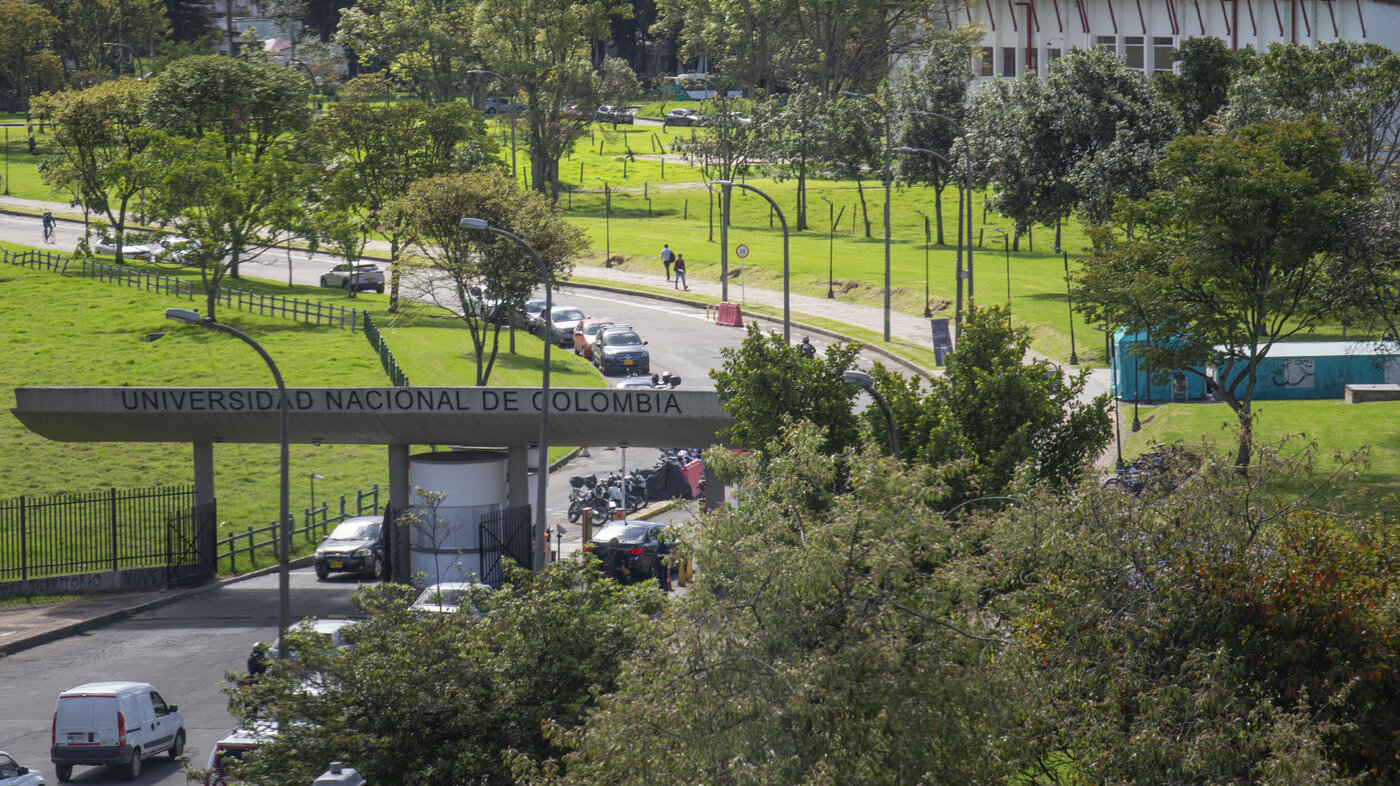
(587, 520)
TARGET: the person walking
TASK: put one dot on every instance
(806, 348)
(680, 272)
(667, 257)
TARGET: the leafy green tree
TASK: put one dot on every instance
(1199, 88)
(28, 64)
(87, 24)
(992, 416)
(1230, 631)
(853, 148)
(426, 44)
(543, 47)
(98, 131)
(616, 83)
(447, 698)
(788, 135)
(455, 260)
(1238, 247)
(826, 639)
(937, 82)
(767, 384)
(360, 157)
(1353, 85)
(228, 200)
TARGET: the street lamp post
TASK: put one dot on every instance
(927, 238)
(724, 195)
(886, 114)
(542, 481)
(284, 530)
(967, 183)
(830, 245)
(315, 476)
(1006, 244)
(867, 383)
(607, 222)
(787, 311)
(1069, 301)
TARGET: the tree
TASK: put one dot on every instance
(426, 44)
(447, 698)
(455, 260)
(787, 135)
(189, 20)
(98, 131)
(828, 639)
(1229, 631)
(992, 415)
(1077, 141)
(616, 83)
(938, 82)
(87, 25)
(543, 48)
(853, 146)
(1199, 89)
(27, 63)
(1237, 248)
(766, 384)
(360, 157)
(230, 201)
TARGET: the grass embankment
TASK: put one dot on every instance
(64, 331)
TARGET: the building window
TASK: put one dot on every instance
(988, 62)
(1107, 42)
(1052, 54)
(1033, 66)
(1161, 54)
(1132, 51)
(1008, 61)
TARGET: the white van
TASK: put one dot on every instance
(114, 723)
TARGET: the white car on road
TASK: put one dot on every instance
(361, 277)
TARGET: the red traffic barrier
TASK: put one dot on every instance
(729, 315)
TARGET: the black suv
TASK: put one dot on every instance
(619, 348)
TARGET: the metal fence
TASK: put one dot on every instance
(386, 358)
(505, 534)
(298, 309)
(112, 530)
(315, 524)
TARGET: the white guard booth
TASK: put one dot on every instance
(445, 542)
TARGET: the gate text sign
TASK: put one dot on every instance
(403, 400)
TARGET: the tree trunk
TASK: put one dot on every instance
(864, 208)
(1242, 453)
(394, 273)
(938, 210)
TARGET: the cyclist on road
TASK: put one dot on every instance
(48, 226)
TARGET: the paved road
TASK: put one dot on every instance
(183, 649)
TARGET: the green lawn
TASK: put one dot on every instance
(68, 331)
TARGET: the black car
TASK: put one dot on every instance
(620, 349)
(629, 550)
(355, 546)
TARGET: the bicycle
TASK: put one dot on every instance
(49, 236)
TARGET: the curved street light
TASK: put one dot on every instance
(962, 186)
(787, 311)
(927, 237)
(867, 383)
(830, 244)
(967, 180)
(284, 518)
(885, 112)
(725, 176)
(542, 481)
(607, 223)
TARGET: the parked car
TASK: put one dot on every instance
(502, 106)
(356, 545)
(117, 723)
(681, 116)
(484, 304)
(584, 333)
(531, 314)
(174, 249)
(663, 381)
(229, 751)
(449, 596)
(331, 630)
(619, 348)
(629, 550)
(562, 322)
(130, 250)
(12, 774)
(607, 113)
(362, 277)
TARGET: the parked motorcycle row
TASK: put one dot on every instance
(607, 497)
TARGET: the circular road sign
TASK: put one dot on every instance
(741, 251)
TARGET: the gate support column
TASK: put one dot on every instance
(401, 557)
(206, 520)
(714, 489)
(203, 473)
(517, 475)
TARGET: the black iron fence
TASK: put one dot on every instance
(308, 311)
(386, 358)
(505, 534)
(242, 547)
(112, 530)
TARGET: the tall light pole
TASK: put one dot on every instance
(787, 311)
(541, 554)
(724, 195)
(1006, 244)
(957, 309)
(967, 182)
(315, 476)
(886, 115)
(509, 105)
(830, 245)
(1069, 301)
(867, 383)
(927, 237)
(284, 529)
(607, 222)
